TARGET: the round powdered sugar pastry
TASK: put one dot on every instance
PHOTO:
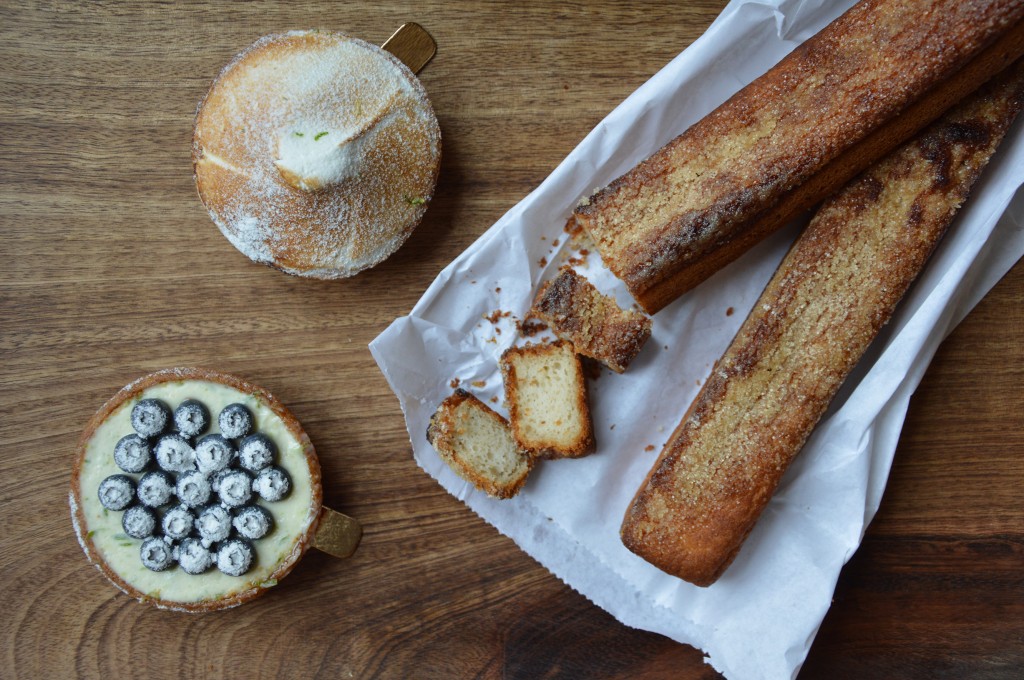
(316, 153)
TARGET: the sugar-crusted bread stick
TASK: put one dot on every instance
(830, 296)
(846, 97)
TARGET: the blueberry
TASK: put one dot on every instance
(191, 418)
(193, 489)
(213, 453)
(132, 453)
(139, 521)
(156, 554)
(235, 421)
(272, 483)
(234, 488)
(155, 488)
(256, 452)
(235, 557)
(150, 417)
(253, 522)
(178, 522)
(214, 523)
(194, 557)
(174, 453)
(116, 492)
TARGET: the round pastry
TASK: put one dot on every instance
(316, 153)
(171, 513)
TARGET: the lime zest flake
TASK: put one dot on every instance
(416, 200)
(317, 136)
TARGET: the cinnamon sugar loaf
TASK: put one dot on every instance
(830, 296)
(547, 400)
(478, 445)
(839, 102)
(596, 326)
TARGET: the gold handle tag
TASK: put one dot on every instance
(338, 534)
(413, 46)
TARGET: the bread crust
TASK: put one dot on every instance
(827, 301)
(136, 388)
(584, 444)
(596, 326)
(442, 429)
(839, 102)
(337, 230)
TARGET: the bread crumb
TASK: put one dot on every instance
(649, 447)
(478, 383)
(455, 382)
(729, 311)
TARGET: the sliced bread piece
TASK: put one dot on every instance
(596, 326)
(547, 400)
(478, 445)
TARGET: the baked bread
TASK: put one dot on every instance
(830, 296)
(142, 503)
(595, 325)
(546, 394)
(478, 445)
(316, 153)
(839, 102)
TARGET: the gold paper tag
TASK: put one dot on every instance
(413, 46)
(338, 534)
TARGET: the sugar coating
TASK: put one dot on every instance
(116, 492)
(234, 557)
(155, 488)
(174, 453)
(139, 521)
(272, 484)
(213, 453)
(150, 417)
(132, 453)
(316, 153)
(194, 557)
(214, 523)
(255, 452)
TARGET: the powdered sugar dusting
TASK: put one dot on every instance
(345, 209)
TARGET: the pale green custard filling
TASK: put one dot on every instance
(292, 515)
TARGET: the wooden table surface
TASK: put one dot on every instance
(112, 269)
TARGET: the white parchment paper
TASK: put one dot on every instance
(759, 620)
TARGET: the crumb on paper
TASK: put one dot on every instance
(497, 314)
(543, 262)
(494, 399)
(454, 384)
(649, 448)
(498, 289)
(729, 311)
(479, 383)
(554, 244)
(531, 327)
(612, 427)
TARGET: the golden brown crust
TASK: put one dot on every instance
(830, 296)
(337, 230)
(836, 104)
(136, 388)
(584, 443)
(596, 326)
(440, 434)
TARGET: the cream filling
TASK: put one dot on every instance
(292, 515)
(312, 159)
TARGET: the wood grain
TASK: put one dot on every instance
(112, 269)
